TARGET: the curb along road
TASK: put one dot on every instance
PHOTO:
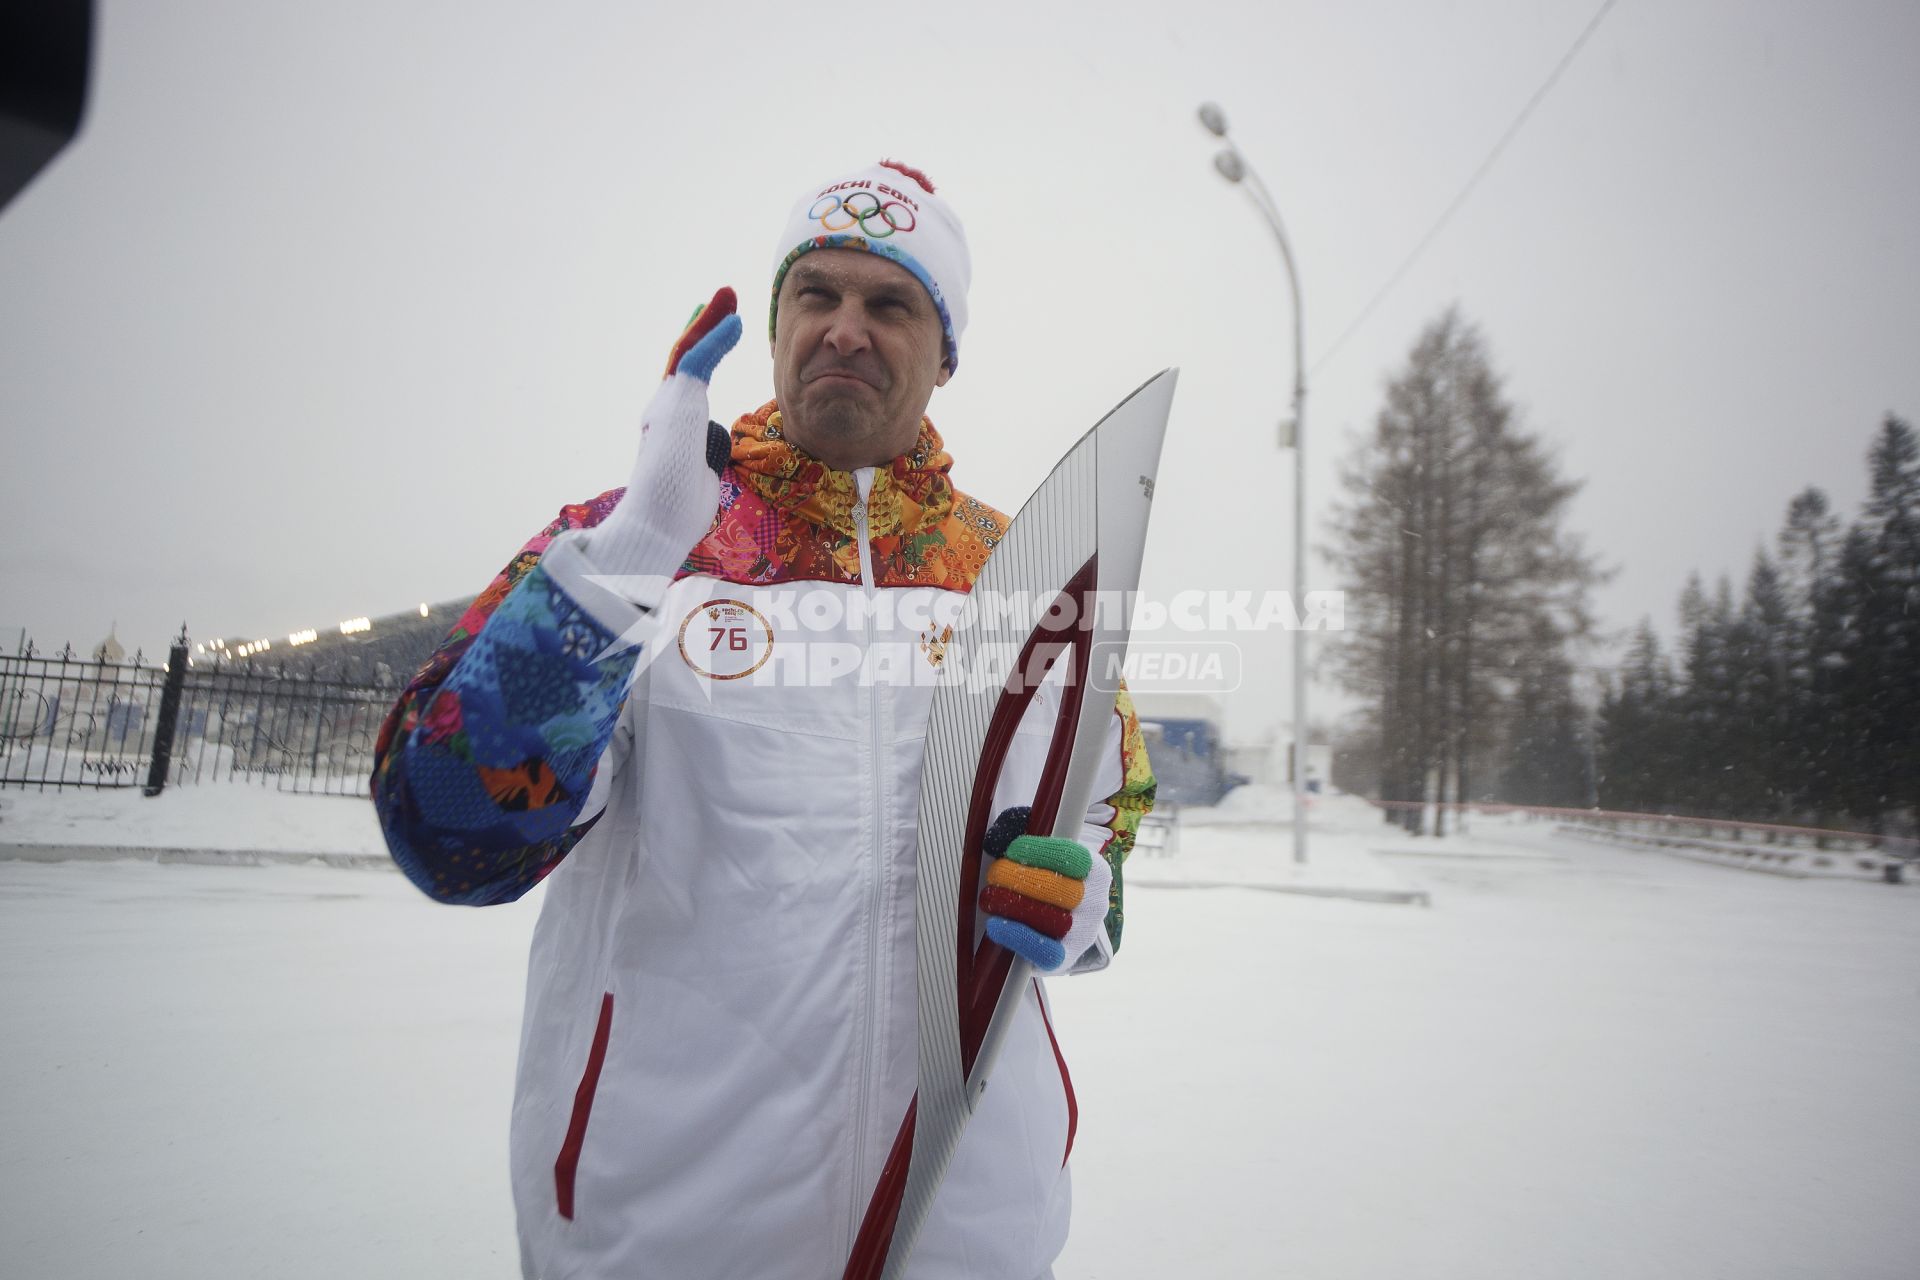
(202, 857)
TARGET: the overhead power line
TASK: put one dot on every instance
(1439, 223)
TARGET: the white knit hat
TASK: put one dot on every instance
(889, 209)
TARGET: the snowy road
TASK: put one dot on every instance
(1579, 1062)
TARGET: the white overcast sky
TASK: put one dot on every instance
(333, 304)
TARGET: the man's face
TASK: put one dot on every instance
(857, 352)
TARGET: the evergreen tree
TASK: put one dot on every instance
(1807, 546)
(1463, 583)
(1857, 681)
(1804, 704)
(1893, 510)
(1764, 696)
(1877, 688)
(1638, 764)
(1809, 550)
(1546, 749)
(1690, 783)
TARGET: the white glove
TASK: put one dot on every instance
(674, 492)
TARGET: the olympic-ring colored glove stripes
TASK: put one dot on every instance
(1037, 883)
(1041, 917)
(1045, 897)
(670, 501)
(1068, 857)
(694, 354)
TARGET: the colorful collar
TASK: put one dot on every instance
(909, 493)
(788, 517)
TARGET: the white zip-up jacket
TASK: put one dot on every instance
(719, 1040)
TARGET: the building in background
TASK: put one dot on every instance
(1268, 759)
(381, 650)
(1184, 742)
(110, 649)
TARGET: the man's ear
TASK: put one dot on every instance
(946, 371)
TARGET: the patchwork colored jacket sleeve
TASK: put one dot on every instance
(1126, 777)
(484, 768)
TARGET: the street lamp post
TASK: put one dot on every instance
(1234, 168)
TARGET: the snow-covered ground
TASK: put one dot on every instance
(223, 816)
(1578, 1061)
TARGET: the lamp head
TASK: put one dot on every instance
(1230, 165)
(1214, 119)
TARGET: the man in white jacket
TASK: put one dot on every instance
(695, 707)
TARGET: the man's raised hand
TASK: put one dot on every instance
(671, 497)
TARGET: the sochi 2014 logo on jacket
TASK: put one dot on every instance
(725, 640)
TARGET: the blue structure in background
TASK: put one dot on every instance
(1187, 761)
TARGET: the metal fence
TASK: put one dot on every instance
(70, 721)
(1892, 857)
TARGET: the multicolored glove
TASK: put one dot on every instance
(1046, 898)
(675, 488)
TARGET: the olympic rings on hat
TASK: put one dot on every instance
(865, 215)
